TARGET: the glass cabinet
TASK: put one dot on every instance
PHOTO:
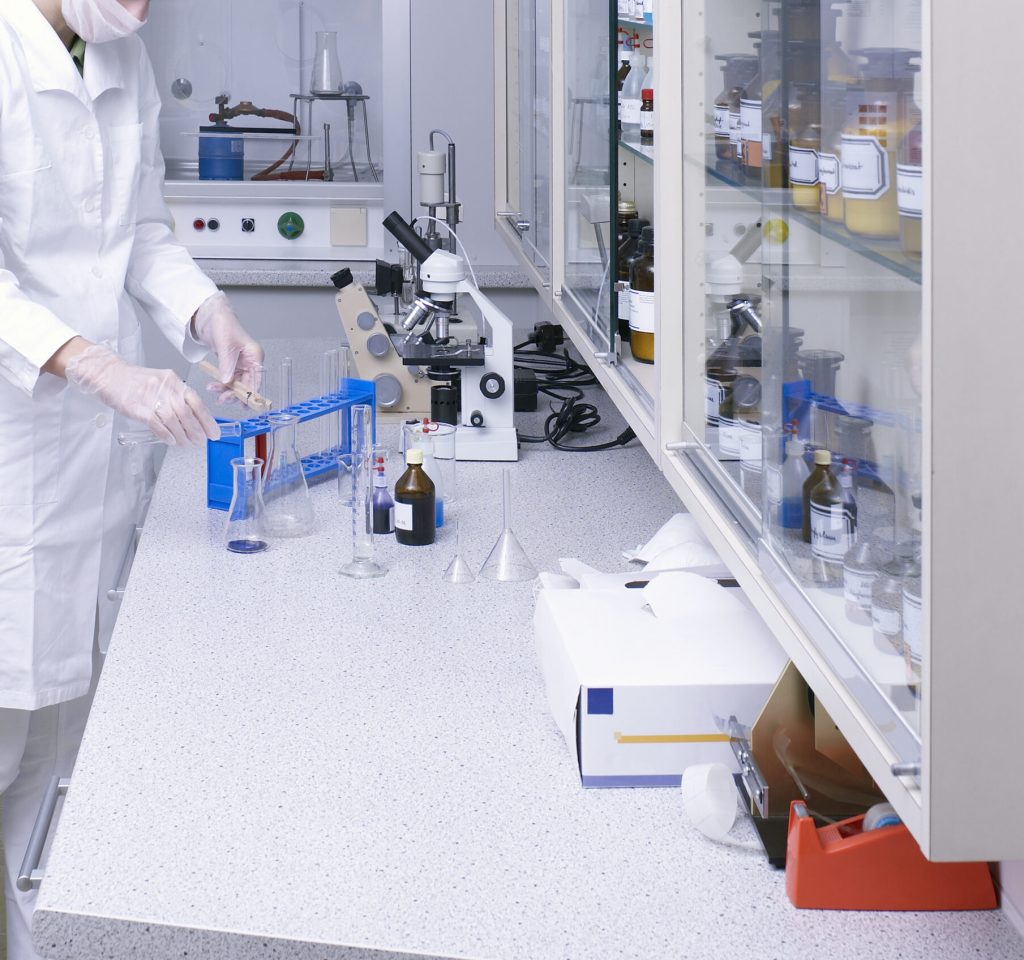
(804, 386)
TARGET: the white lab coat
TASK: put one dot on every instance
(82, 221)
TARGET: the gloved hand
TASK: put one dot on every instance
(238, 355)
(157, 398)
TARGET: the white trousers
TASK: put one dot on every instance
(35, 745)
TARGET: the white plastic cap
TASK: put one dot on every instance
(709, 798)
(414, 456)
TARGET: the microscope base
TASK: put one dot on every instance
(486, 443)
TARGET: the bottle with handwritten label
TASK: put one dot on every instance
(909, 182)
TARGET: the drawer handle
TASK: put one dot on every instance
(30, 876)
(116, 592)
(911, 768)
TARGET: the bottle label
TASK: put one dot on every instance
(803, 166)
(773, 481)
(646, 120)
(909, 183)
(734, 128)
(624, 305)
(912, 626)
(713, 397)
(886, 622)
(750, 447)
(857, 588)
(830, 173)
(631, 112)
(729, 436)
(641, 311)
(721, 122)
(751, 133)
(403, 516)
(831, 532)
(865, 168)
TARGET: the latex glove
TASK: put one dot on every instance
(157, 398)
(239, 357)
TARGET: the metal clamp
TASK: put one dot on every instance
(116, 592)
(30, 877)
(753, 779)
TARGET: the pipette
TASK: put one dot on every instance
(143, 438)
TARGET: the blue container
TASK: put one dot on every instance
(221, 157)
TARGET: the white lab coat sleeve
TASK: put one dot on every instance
(161, 274)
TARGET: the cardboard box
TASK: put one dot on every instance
(639, 698)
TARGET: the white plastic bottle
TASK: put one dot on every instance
(632, 96)
(794, 472)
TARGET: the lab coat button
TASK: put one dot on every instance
(97, 272)
(101, 420)
(89, 206)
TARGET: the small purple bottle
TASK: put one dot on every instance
(383, 505)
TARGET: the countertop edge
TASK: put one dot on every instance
(78, 936)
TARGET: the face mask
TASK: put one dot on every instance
(97, 21)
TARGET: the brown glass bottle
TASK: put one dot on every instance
(909, 182)
(641, 301)
(647, 117)
(627, 253)
(822, 462)
(626, 211)
(832, 520)
(415, 499)
(620, 77)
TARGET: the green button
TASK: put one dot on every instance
(290, 226)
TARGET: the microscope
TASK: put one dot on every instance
(473, 380)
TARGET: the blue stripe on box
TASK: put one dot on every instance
(600, 700)
(652, 780)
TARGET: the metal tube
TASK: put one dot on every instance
(30, 877)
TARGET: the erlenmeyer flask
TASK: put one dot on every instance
(288, 508)
(326, 67)
(243, 532)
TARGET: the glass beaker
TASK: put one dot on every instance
(288, 506)
(326, 77)
(243, 531)
(437, 441)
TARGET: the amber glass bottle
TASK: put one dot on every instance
(641, 301)
(415, 498)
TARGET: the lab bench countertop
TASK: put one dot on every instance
(317, 273)
(283, 763)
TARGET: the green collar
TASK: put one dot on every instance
(77, 52)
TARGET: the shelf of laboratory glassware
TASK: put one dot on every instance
(631, 144)
(778, 201)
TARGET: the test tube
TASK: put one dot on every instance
(328, 386)
(345, 373)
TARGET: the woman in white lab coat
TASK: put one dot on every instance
(85, 240)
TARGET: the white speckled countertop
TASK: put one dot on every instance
(282, 763)
(317, 273)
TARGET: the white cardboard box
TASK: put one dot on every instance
(639, 699)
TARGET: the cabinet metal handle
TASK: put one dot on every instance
(30, 876)
(516, 222)
(908, 768)
(116, 592)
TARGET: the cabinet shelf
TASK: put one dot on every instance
(885, 253)
(629, 22)
(635, 147)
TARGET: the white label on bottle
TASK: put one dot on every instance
(721, 121)
(774, 484)
(865, 168)
(830, 173)
(909, 190)
(886, 622)
(857, 588)
(624, 305)
(403, 516)
(729, 433)
(713, 396)
(646, 119)
(766, 147)
(631, 112)
(912, 625)
(831, 533)
(750, 120)
(641, 311)
(750, 447)
(734, 128)
(803, 166)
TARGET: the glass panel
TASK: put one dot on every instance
(812, 320)
(535, 131)
(589, 231)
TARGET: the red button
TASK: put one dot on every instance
(199, 224)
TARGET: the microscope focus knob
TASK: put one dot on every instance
(492, 385)
(476, 419)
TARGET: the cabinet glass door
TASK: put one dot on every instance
(805, 373)
(589, 224)
(528, 92)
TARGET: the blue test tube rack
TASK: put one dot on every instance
(220, 453)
